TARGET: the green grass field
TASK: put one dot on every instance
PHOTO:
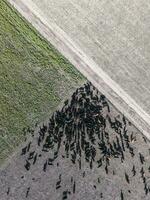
(34, 78)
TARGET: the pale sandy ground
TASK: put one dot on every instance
(108, 41)
(43, 184)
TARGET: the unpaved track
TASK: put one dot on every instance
(84, 64)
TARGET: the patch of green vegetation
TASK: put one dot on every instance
(34, 78)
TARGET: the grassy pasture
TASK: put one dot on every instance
(34, 78)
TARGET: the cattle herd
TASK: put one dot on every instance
(80, 132)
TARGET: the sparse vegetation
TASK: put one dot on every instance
(34, 78)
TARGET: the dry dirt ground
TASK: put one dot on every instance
(87, 150)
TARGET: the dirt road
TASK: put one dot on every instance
(85, 64)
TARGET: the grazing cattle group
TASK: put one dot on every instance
(82, 129)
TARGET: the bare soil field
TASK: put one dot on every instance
(87, 150)
(108, 41)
